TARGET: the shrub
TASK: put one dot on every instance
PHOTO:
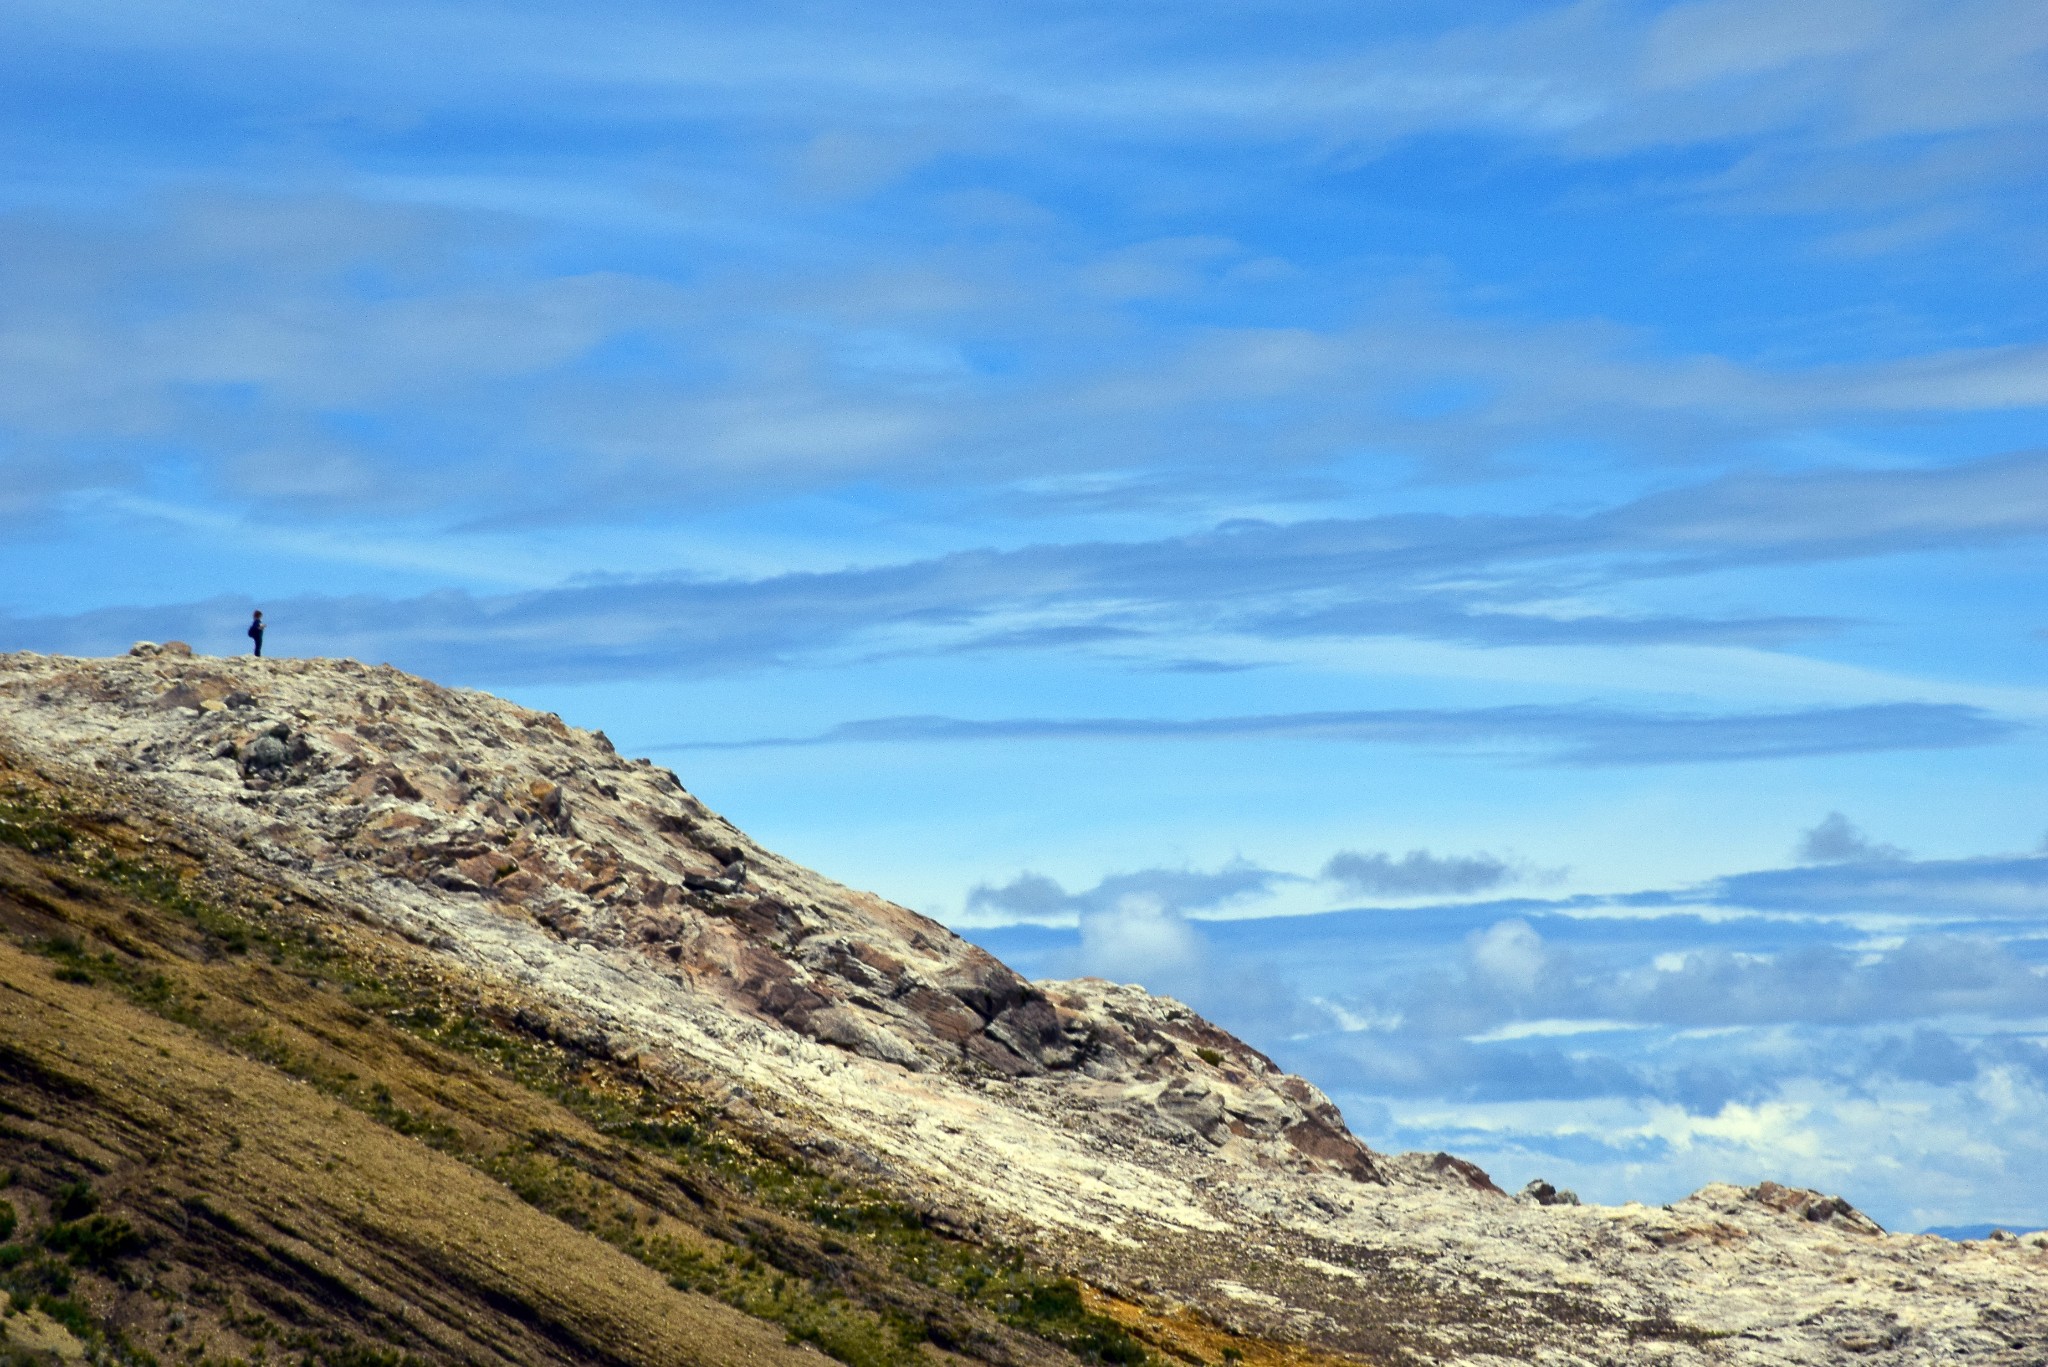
(25, 830)
(73, 1201)
(98, 1241)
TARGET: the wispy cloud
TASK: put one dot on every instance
(1480, 580)
(1034, 897)
(1585, 80)
(300, 354)
(2012, 887)
(1417, 874)
(1588, 736)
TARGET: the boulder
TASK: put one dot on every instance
(1195, 1106)
(266, 752)
(1544, 1194)
(1806, 1204)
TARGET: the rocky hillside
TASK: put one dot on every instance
(450, 1032)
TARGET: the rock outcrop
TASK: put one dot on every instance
(1134, 1142)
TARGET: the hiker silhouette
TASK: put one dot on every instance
(256, 632)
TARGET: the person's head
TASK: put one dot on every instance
(259, 614)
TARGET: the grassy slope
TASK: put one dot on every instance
(303, 1146)
(280, 1210)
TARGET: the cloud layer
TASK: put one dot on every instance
(1489, 581)
(970, 257)
(1638, 1045)
(1585, 736)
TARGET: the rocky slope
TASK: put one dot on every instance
(590, 901)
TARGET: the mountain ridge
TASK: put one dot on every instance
(1124, 1140)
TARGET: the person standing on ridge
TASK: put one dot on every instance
(256, 632)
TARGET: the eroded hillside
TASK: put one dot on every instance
(444, 1030)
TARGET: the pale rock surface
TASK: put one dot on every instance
(1115, 1130)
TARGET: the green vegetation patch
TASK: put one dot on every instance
(26, 827)
(37, 1279)
(97, 1241)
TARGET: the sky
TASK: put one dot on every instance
(1494, 548)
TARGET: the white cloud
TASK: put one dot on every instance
(1139, 938)
(1508, 955)
(1550, 1028)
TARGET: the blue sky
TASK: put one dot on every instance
(1561, 488)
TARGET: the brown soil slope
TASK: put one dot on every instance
(267, 1212)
